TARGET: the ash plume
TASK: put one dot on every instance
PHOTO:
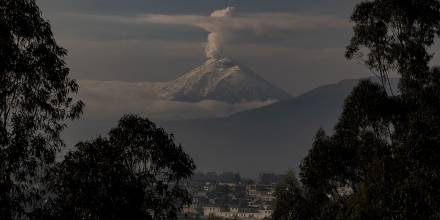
(228, 26)
(213, 47)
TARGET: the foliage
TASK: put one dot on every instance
(290, 203)
(35, 102)
(381, 162)
(135, 173)
(396, 34)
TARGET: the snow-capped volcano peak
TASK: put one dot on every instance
(221, 79)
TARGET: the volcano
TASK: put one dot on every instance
(221, 79)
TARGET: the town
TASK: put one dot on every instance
(229, 196)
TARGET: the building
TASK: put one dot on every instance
(238, 213)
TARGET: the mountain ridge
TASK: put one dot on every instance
(272, 138)
(221, 79)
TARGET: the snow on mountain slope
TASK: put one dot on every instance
(223, 80)
(219, 87)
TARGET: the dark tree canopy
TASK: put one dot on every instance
(290, 203)
(35, 101)
(381, 162)
(396, 35)
(136, 173)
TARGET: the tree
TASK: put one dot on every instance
(396, 35)
(136, 173)
(381, 162)
(290, 203)
(354, 164)
(35, 102)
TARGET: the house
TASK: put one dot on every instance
(238, 213)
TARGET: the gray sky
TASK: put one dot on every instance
(295, 44)
(300, 47)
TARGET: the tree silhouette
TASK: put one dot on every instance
(381, 162)
(290, 203)
(35, 101)
(136, 173)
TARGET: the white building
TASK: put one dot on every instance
(240, 213)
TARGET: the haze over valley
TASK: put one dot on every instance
(226, 115)
(219, 110)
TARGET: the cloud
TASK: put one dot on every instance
(340, 7)
(258, 22)
(107, 99)
(142, 47)
(225, 25)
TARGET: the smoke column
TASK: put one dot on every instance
(213, 48)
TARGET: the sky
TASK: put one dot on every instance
(295, 44)
(118, 50)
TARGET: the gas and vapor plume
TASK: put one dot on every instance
(227, 25)
(213, 48)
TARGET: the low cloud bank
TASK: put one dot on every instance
(107, 101)
(110, 98)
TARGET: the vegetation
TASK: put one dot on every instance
(382, 160)
(135, 173)
(35, 103)
(290, 203)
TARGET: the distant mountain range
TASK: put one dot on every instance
(272, 138)
(224, 80)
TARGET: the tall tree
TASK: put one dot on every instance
(382, 160)
(137, 172)
(35, 101)
(398, 35)
(290, 203)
